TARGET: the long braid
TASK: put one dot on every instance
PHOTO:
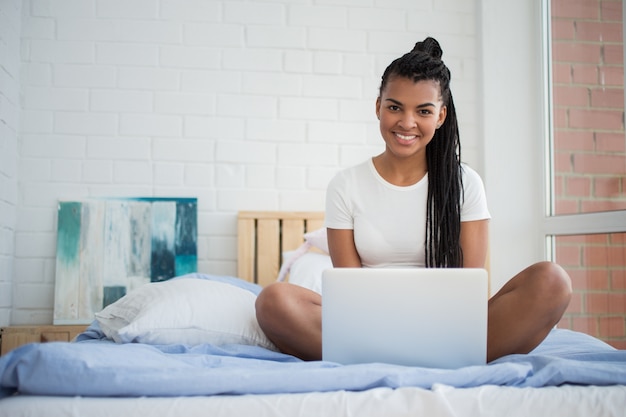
(443, 216)
(443, 157)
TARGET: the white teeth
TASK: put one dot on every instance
(403, 137)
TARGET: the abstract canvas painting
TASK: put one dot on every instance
(107, 247)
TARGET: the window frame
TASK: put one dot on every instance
(570, 224)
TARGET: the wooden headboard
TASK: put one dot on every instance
(262, 237)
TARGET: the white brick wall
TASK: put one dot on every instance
(10, 28)
(247, 105)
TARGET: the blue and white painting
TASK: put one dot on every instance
(107, 247)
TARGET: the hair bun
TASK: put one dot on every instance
(429, 46)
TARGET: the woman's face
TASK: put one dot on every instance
(409, 114)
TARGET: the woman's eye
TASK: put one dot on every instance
(394, 108)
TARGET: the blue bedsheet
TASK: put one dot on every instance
(94, 366)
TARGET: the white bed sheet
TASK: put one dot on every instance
(571, 401)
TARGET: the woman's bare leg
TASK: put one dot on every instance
(291, 317)
(527, 307)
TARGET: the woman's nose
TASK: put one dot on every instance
(407, 121)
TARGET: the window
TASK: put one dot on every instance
(586, 159)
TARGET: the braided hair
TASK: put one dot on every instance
(443, 157)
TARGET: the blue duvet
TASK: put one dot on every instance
(94, 366)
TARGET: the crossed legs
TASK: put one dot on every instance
(520, 315)
(526, 308)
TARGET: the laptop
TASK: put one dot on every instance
(435, 318)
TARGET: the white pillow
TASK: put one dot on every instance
(318, 239)
(307, 270)
(184, 311)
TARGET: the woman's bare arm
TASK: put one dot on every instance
(474, 242)
(342, 249)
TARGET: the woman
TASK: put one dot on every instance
(416, 205)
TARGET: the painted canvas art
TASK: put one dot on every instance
(107, 247)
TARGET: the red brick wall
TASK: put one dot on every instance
(596, 265)
(590, 158)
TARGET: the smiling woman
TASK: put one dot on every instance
(415, 205)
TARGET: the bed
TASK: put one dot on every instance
(190, 346)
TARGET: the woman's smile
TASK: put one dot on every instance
(405, 139)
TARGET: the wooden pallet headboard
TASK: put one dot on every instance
(262, 237)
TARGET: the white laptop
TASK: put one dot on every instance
(435, 318)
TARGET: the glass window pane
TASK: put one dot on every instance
(597, 265)
(589, 145)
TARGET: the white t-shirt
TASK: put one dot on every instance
(389, 221)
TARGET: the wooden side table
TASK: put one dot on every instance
(12, 337)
